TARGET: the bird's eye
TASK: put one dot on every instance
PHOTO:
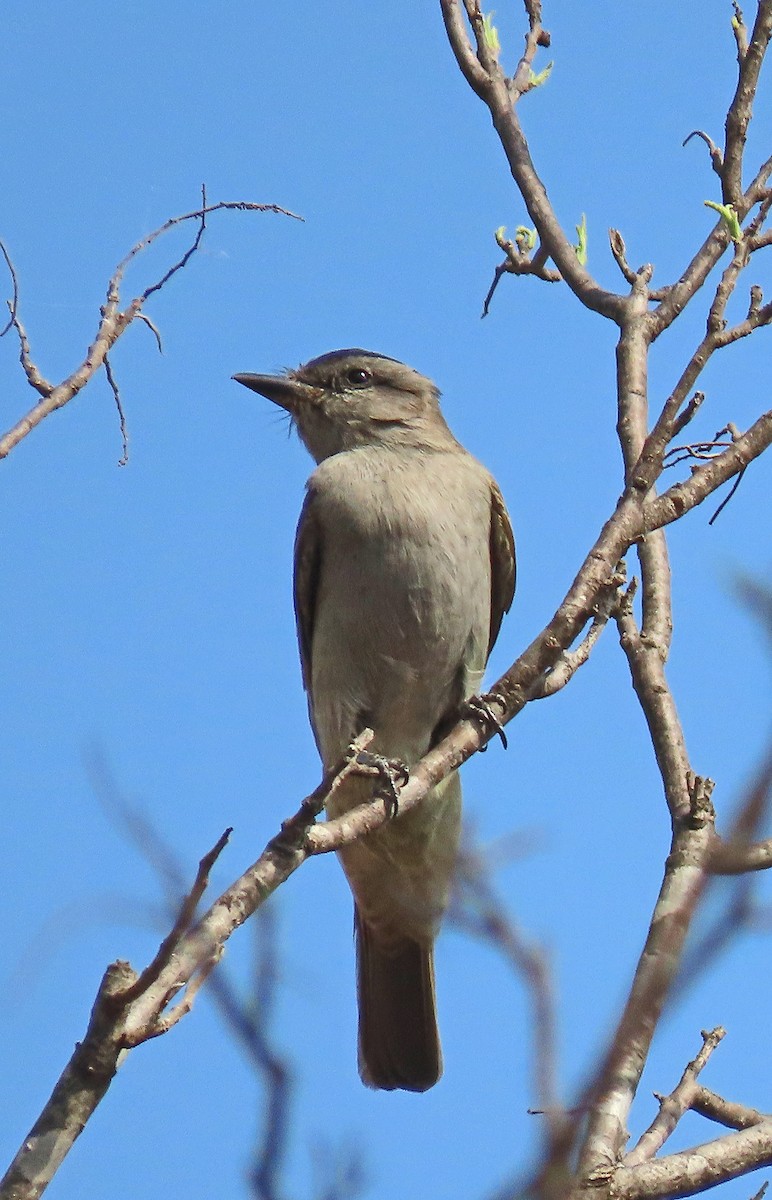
(358, 377)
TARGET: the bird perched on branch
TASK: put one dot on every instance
(404, 568)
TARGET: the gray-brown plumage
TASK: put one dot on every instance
(404, 568)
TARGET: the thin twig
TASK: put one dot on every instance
(486, 77)
(728, 497)
(716, 157)
(122, 461)
(153, 328)
(571, 660)
(688, 414)
(112, 324)
(673, 1106)
(173, 1015)
(34, 377)
(520, 265)
(13, 304)
(182, 923)
(750, 56)
(186, 257)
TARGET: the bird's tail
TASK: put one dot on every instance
(399, 1042)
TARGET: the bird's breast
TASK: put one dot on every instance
(403, 593)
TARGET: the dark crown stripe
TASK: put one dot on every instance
(336, 355)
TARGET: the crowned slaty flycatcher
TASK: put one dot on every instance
(404, 568)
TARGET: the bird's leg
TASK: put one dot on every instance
(393, 774)
(479, 708)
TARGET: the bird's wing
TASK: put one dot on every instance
(502, 544)
(308, 556)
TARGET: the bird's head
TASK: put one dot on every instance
(352, 398)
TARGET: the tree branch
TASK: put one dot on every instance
(738, 117)
(484, 75)
(129, 1008)
(682, 497)
(725, 1112)
(682, 886)
(697, 1169)
(80, 1088)
(673, 1107)
(113, 323)
(632, 426)
(656, 700)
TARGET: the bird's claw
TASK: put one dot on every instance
(478, 708)
(393, 774)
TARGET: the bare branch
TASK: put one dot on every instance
(13, 304)
(695, 1170)
(113, 323)
(571, 660)
(502, 269)
(162, 1024)
(681, 497)
(648, 678)
(81, 1086)
(734, 854)
(153, 329)
(619, 251)
(247, 1020)
(750, 57)
(182, 923)
(122, 461)
(728, 497)
(688, 414)
(700, 451)
(519, 262)
(725, 1112)
(705, 452)
(673, 1107)
(672, 420)
(678, 295)
(34, 377)
(484, 74)
(522, 80)
(716, 157)
(682, 886)
(632, 426)
(461, 46)
(186, 257)
(740, 31)
(128, 1008)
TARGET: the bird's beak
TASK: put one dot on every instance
(281, 389)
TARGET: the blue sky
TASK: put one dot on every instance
(147, 610)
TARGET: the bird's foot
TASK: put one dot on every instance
(479, 708)
(392, 773)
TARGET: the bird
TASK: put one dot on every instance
(404, 569)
